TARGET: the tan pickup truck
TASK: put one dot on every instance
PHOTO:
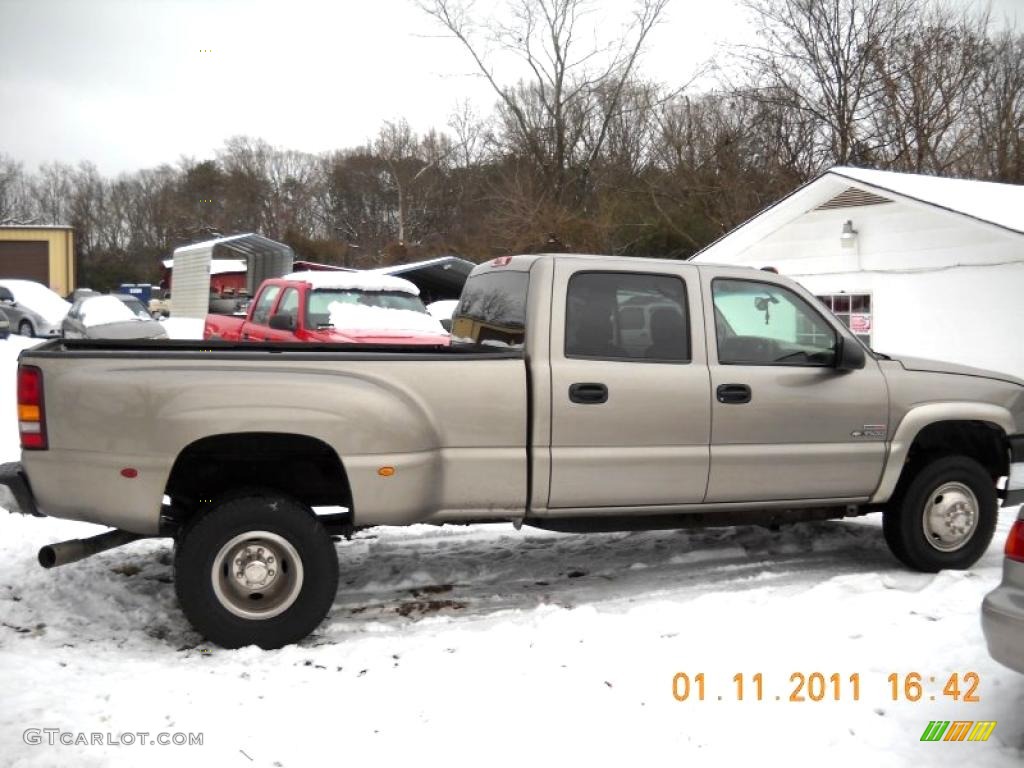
(580, 393)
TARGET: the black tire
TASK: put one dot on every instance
(202, 542)
(25, 329)
(904, 521)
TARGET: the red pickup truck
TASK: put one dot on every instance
(337, 307)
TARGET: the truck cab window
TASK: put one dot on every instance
(761, 323)
(492, 310)
(627, 316)
(261, 313)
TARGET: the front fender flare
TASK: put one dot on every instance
(920, 417)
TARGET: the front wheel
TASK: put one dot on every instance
(256, 570)
(945, 517)
(25, 328)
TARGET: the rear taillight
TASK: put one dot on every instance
(1015, 542)
(31, 412)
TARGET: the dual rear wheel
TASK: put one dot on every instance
(258, 569)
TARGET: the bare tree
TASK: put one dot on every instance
(545, 113)
(291, 179)
(15, 202)
(470, 136)
(818, 56)
(51, 192)
(921, 110)
(88, 198)
(997, 106)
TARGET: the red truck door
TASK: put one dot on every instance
(256, 328)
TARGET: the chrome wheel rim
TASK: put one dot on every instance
(950, 516)
(257, 575)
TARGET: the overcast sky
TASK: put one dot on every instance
(128, 83)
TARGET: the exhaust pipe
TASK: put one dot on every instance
(72, 551)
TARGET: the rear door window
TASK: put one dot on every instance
(627, 316)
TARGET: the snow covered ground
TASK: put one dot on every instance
(485, 646)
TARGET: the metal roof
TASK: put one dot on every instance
(239, 247)
(438, 279)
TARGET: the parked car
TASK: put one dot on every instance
(160, 303)
(33, 309)
(117, 316)
(1002, 612)
(761, 408)
(332, 307)
(5, 325)
(81, 293)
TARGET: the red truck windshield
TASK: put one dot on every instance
(318, 310)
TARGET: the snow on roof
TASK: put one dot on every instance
(246, 244)
(999, 204)
(217, 266)
(225, 266)
(354, 281)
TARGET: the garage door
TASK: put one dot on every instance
(25, 259)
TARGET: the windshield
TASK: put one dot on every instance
(101, 310)
(136, 307)
(318, 308)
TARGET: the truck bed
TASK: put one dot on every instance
(140, 406)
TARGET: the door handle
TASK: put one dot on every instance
(733, 393)
(588, 393)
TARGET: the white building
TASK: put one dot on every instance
(918, 265)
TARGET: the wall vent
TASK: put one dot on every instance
(852, 197)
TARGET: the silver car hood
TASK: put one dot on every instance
(938, 366)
